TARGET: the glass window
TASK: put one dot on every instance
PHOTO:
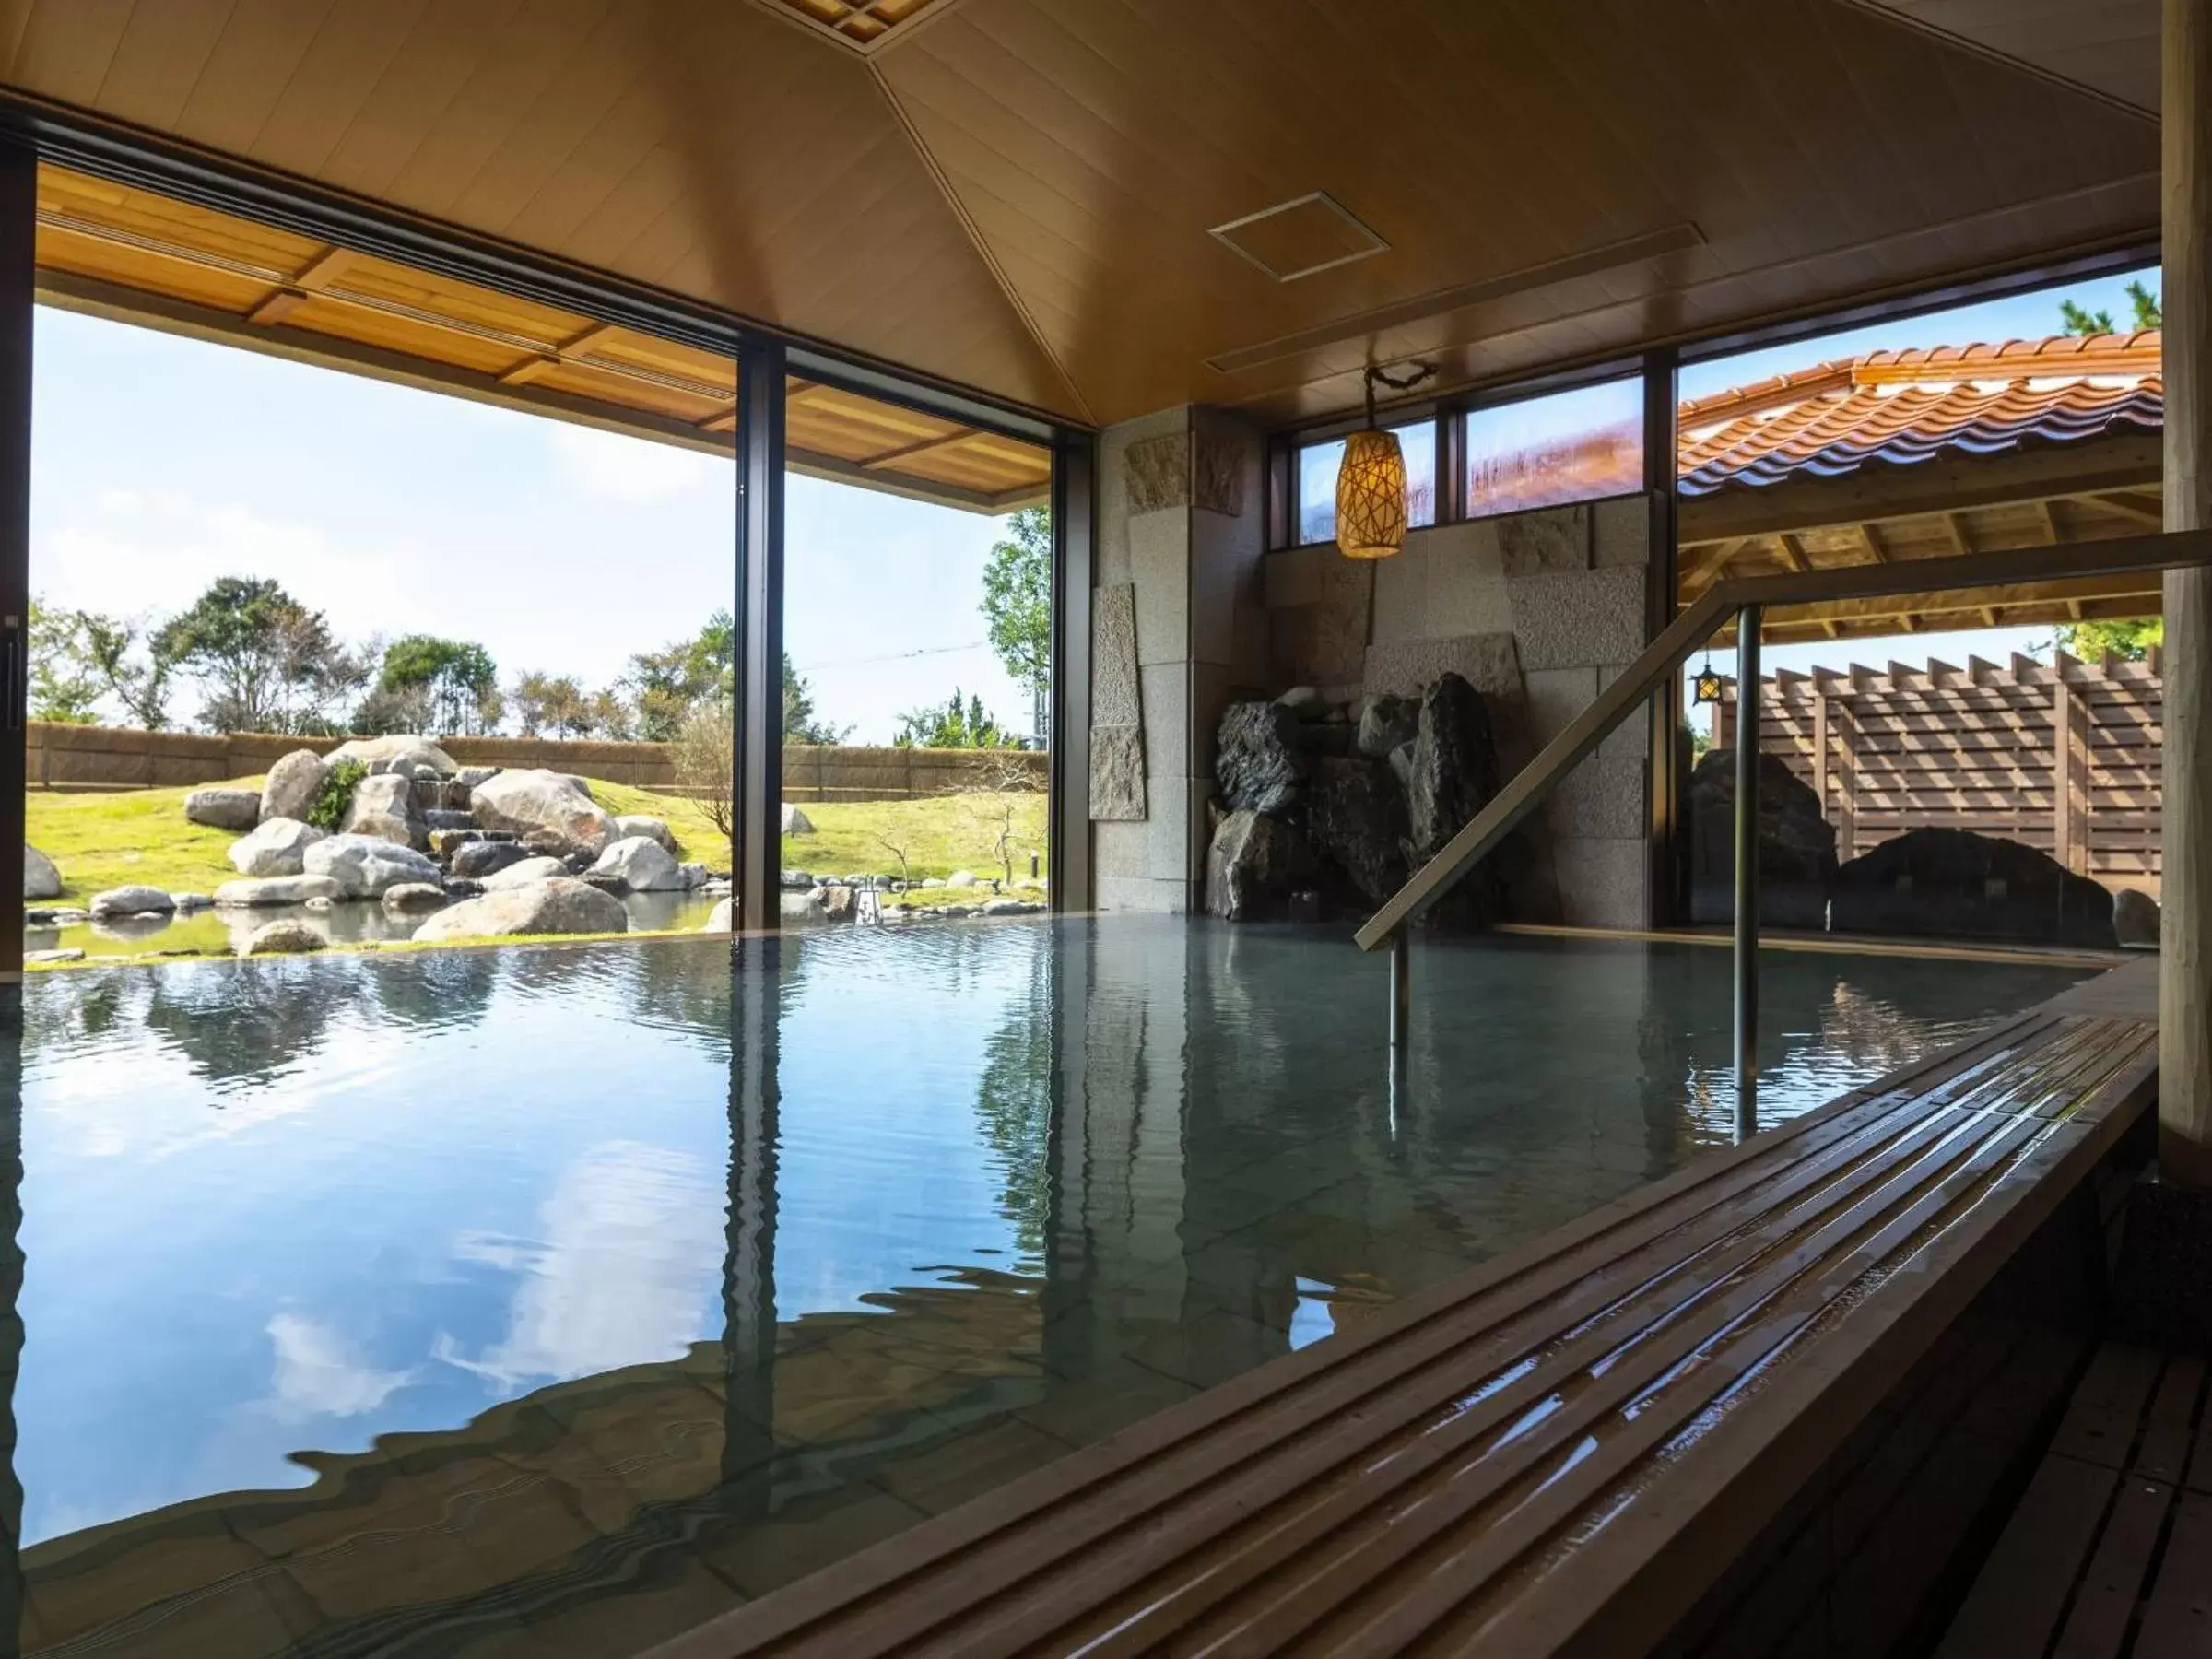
(1571, 446)
(1317, 465)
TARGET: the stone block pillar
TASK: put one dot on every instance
(1180, 633)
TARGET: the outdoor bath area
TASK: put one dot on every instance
(552, 1300)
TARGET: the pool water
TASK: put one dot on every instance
(549, 1300)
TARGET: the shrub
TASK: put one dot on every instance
(703, 755)
(336, 794)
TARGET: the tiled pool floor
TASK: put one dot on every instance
(549, 1300)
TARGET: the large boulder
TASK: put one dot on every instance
(293, 786)
(130, 901)
(1259, 757)
(628, 824)
(1254, 863)
(1797, 845)
(1451, 767)
(287, 937)
(262, 891)
(478, 860)
(549, 803)
(364, 865)
(223, 809)
(718, 919)
(559, 906)
(2136, 920)
(639, 863)
(1960, 884)
(383, 806)
(277, 847)
(1385, 723)
(401, 753)
(414, 896)
(40, 880)
(523, 873)
(797, 822)
(1356, 819)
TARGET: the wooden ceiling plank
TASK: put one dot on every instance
(927, 446)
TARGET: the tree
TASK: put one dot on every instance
(449, 686)
(1017, 608)
(2130, 638)
(550, 704)
(960, 725)
(801, 724)
(265, 663)
(2148, 312)
(606, 714)
(670, 682)
(66, 680)
(137, 679)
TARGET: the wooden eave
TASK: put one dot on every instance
(116, 252)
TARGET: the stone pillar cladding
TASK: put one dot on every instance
(2185, 983)
(1179, 557)
(1538, 610)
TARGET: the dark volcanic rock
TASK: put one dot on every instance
(1357, 820)
(479, 859)
(1956, 882)
(1259, 760)
(1253, 864)
(1797, 845)
(1451, 772)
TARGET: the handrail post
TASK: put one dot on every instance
(1401, 994)
(1747, 871)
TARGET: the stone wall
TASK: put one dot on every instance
(1538, 610)
(1178, 573)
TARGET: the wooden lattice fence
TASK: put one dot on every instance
(2064, 756)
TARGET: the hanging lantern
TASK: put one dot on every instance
(1708, 684)
(1370, 495)
(1370, 483)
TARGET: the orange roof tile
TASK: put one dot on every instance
(1901, 408)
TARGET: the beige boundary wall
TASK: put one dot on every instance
(117, 758)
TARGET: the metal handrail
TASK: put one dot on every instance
(1748, 598)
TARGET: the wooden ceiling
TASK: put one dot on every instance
(2109, 46)
(1016, 195)
(128, 253)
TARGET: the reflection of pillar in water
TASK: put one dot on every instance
(748, 1284)
(1114, 1253)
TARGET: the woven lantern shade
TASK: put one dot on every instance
(1370, 495)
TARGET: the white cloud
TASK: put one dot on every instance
(631, 470)
(318, 1374)
(625, 1271)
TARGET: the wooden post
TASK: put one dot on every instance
(2069, 779)
(1821, 747)
(1846, 726)
(2185, 976)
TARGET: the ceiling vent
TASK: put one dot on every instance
(1300, 237)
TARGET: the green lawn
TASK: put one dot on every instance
(140, 837)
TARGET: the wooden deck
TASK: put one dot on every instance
(1557, 1453)
(2112, 1545)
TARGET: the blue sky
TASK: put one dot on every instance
(159, 464)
